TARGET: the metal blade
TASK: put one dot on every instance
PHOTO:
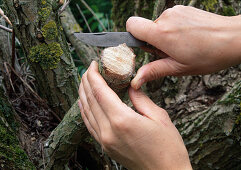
(109, 39)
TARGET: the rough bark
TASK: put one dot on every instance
(212, 137)
(12, 156)
(86, 53)
(65, 139)
(38, 28)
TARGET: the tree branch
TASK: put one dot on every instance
(70, 25)
(6, 28)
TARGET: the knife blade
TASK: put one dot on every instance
(109, 39)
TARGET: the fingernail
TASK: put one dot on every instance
(137, 82)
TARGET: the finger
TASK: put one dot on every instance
(87, 124)
(154, 51)
(155, 70)
(86, 110)
(95, 108)
(143, 29)
(146, 107)
(108, 100)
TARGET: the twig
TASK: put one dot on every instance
(9, 75)
(192, 3)
(5, 17)
(220, 3)
(6, 28)
(25, 83)
(93, 13)
(66, 3)
(83, 16)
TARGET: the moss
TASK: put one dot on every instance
(47, 55)
(209, 5)
(234, 97)
(6, 111)
(12, 155)
(228, 11)
(50, 31)
(238, 120)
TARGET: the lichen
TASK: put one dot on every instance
(47, 55)
(50, 31)
(44, 13)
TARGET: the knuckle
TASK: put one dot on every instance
(107, 141)
(89, 99)
(96, 93)
(179, 7)
(153, 71)
(120, 123)
(167, 13)
(86, 109)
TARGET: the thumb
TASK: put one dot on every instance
(143, 29)
(155, 70)
(146, 107)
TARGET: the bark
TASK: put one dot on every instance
(65, 139)
(212, 137)
(12, 156)
(38, 28)
(86, 53)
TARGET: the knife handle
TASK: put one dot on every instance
(153, 50)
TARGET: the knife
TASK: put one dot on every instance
(110, 39)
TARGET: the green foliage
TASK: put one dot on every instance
(210, 5)
(47, 55)
(50, 31)
(102, 9)
(228, 11)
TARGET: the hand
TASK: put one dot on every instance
(193, 41)
(147, 140)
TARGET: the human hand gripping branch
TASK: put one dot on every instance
(194, 42)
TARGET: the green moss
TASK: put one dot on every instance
(47, 55)
(6, 111)
(238, 120)
(209, 5)
(234, 97)
(12, 155)
(50, 31)
(228, 11)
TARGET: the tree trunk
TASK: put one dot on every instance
(39, 30)
(12, 156)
